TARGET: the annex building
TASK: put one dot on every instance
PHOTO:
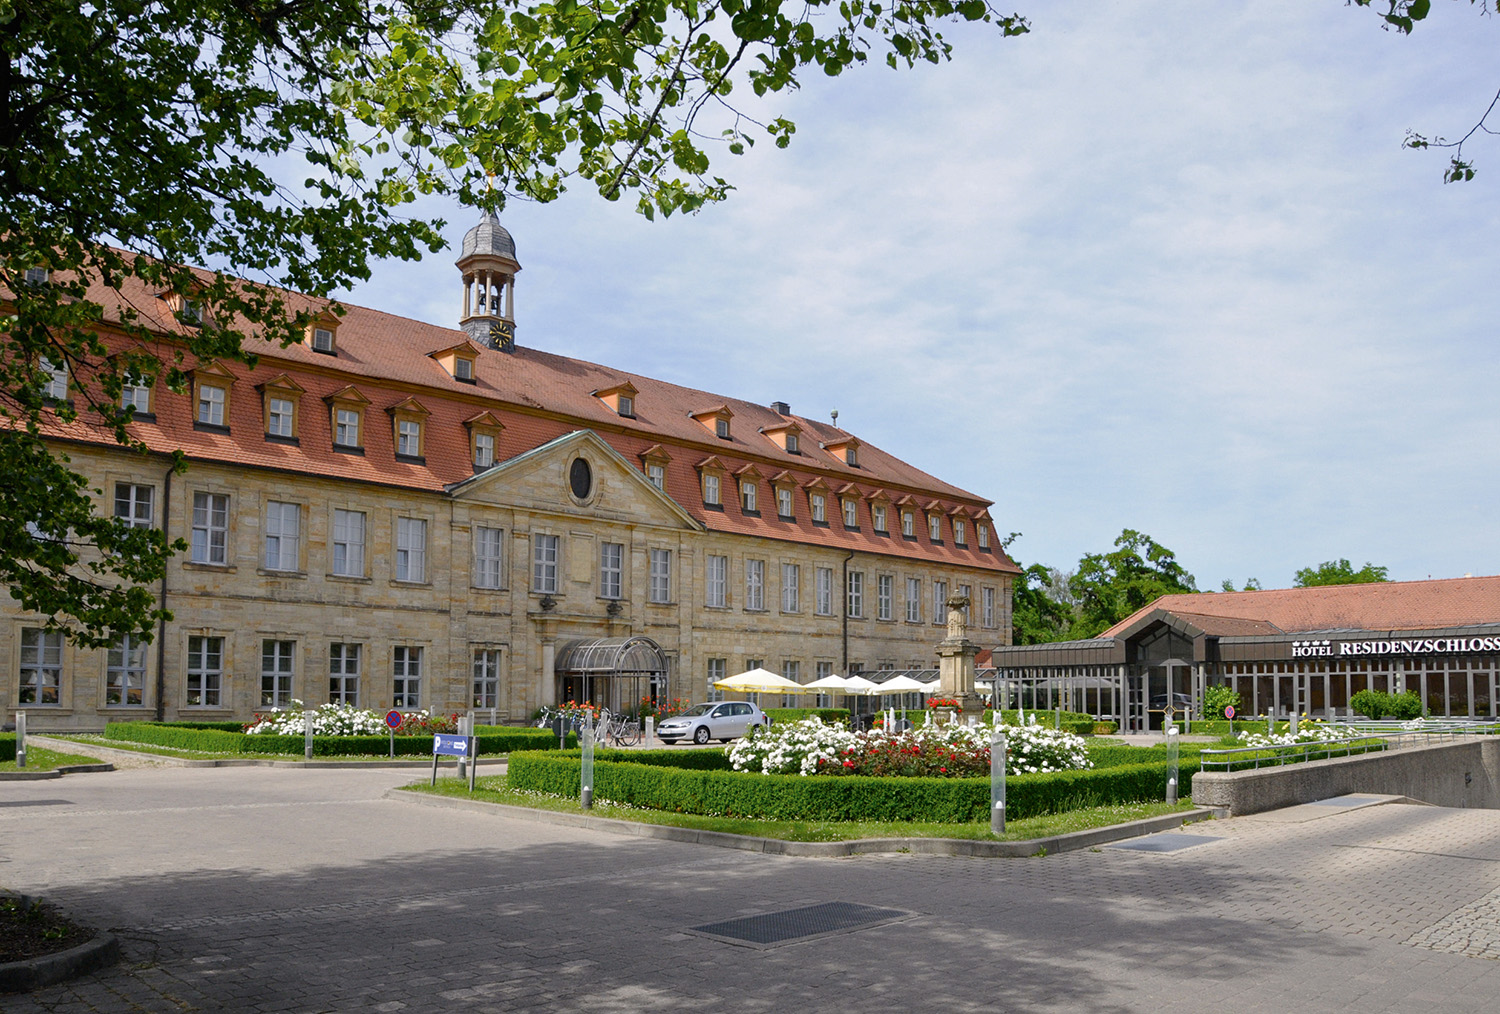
(397, 514)
(1295, 650)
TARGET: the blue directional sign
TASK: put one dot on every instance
(450, 746)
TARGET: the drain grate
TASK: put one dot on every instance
(1163, 842)
(774, 928)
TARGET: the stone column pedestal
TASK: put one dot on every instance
(956, 662)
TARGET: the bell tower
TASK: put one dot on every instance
(489, 267)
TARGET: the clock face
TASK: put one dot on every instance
(503, 334)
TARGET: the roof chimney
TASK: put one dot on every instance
(781, 408)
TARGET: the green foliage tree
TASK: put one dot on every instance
(1339, 572)
(1036, 617)
(278, 142)
(1110, 586)
(1216, 699)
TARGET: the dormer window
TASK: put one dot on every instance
(819, 505)
(37, 276)
(851, 513)
(877, 517)
(935, 527)
(211, 403)
(55, 387)
(711, 495)
(627, 406)
(212, 387)
(279, 398)
(463, 369)
(484, 439)
(851, 456)
(982, 533)
(960, 532)
(322, 340)
(347, 408)
(190, 312)
(791, 444)
(408, 420)
(784, 503)
(716, 420)
(655, 460)
(323, 334)
(458, 361)
(845, 450)
(748, 496)
(909, 524)
(620, 399)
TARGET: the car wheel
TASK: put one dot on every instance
(700, 735)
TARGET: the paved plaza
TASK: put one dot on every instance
(275, 889)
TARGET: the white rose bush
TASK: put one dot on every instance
(346, 720)
(1307, 733)
(810, 747)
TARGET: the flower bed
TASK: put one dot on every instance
(347, 720)
(491, 740)
(812, 747)
(1307, 732)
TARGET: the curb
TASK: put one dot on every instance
(818, 849)
(162, 760)
(24, 976)
(57, 772)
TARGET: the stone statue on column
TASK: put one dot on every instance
(956, 660)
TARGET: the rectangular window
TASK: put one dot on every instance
(983, 533)
(627, 406)
(824, 581)
(136, 395)
(710, 489)
(856, 594)
(322, 339)
(276, 673)
(544, 564)
(819, 508)
(820, 670)
(755, 584)
(721, 429)
(908, 524)
(784, 503)
(411, 549)
(964, 592)
(125, 672)
(463, 369)
(406, 667)
(41, 666)
(940, 602)
(657, 475)
(343, 673)
(884, 589)
(791, 588)
(349, 543)
(934, 527)
(56, 385)
(612, 569)
(278, 417)
(37, 276)
(211, 528)
(960, 532)
(792, 446)
(851, 513)
(877, 517)
(489, 557)
(716, 581)
(718, 669)
(409, 438)
(346, 427)
(283, 534)
(913, 600)
(484, 450)
(486, 688)
(205, 671)
(210, 405)
(791, 669)
(134, 503)
(987, 606)
(748, 496)
(661, 575)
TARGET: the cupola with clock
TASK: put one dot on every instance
(489, 266)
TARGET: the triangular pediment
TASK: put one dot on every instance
(539, 480)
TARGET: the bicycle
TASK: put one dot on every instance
(617, 729)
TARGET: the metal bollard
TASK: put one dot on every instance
(307, 735)
(999, 743)
(650, 731)
(20, 739)
(1172, 752)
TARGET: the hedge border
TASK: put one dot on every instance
(842, 798)
(7, 746)
(184, 736)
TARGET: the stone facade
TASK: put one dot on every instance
(405, 550)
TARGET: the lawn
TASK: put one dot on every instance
(38, 759)
(494, 789)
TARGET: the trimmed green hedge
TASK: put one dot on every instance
(794, 797)
(203, 737)
(7, 746)
(833, 716)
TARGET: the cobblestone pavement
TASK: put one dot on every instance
(256, 889)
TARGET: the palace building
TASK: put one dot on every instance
(397, 514)
(1303, 651)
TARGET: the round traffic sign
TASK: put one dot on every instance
(393, 719)
(1229, 711)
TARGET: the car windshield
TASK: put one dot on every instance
(696, 710)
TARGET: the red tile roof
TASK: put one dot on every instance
(1393, 605)
(537, 396)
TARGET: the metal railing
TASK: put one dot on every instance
(1374, 737)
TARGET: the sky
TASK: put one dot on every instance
(1158, 266)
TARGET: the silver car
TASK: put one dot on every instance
(722, 721)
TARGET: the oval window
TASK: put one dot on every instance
(581, 479)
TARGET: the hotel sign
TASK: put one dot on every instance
(1417, 646)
